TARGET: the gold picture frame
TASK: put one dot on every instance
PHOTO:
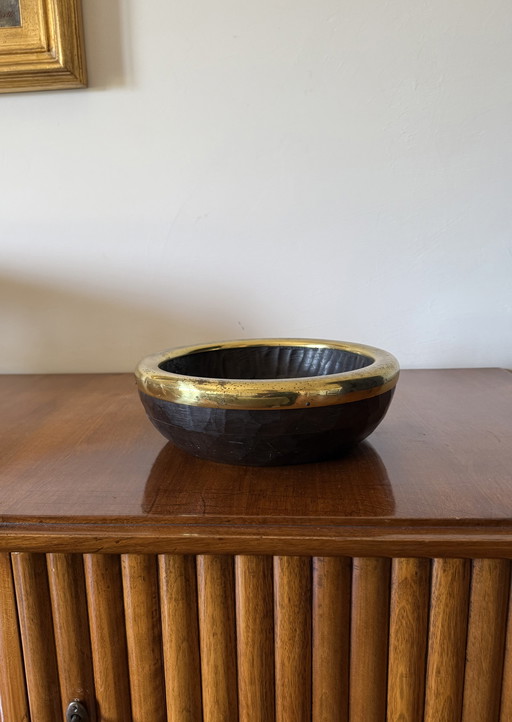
(43, 47)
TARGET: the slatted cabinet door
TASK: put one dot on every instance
(253, 638)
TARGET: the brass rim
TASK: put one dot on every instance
(292, 393)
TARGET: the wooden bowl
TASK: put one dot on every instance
(267, 402)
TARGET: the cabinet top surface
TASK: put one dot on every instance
(79, 448)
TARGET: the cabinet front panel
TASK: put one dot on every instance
(255, 638)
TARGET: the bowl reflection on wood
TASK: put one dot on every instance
(268, 402)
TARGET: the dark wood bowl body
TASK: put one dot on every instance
(267, 437)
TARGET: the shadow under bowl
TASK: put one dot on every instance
(267, 402)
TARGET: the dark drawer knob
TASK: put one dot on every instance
(76, 712)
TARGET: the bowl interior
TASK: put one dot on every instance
(266, 362)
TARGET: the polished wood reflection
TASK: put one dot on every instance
(80, 446)
(376, 588)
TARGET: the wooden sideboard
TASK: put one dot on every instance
(153, 586)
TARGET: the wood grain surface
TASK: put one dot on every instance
(108, 636)
(369, 639)
(83, 469)
(506, 691)
(332, 582)
(447, 640)
(144, 640)
(490, 581)
(180, 637)
(13, 694)
(292, 615)
(216, 592)
(255, 637)
(80, 446)
(410, 592)
(37, 636)
(71, 630)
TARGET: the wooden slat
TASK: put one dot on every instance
(447, 639)
(255, 637)
(215, 577)
(143, 635)
(180, 636)
(292, 614)
(490, 581)
(108, 636)
(331, 638)
(13, 696)
(506, 691)
(410, 592)
(69, 607)
(35, 616)
(369, 639)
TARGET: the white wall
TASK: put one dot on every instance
(273, 168)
